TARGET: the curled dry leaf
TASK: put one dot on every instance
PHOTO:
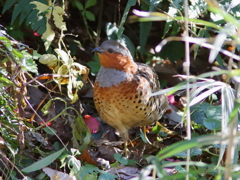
(64, 56)
(50, 60)
(68, 71)
(58, 19)
(78, 69)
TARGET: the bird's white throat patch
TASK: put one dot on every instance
(108, 77)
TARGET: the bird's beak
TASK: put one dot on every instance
(98, 50)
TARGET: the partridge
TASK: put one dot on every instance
(122, 90)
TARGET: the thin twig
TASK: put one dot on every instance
(187, 71)
(13, 165)
(90, 82)
(40, 104)
(231, 150)
(99, 24)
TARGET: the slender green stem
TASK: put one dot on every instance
(187, 71)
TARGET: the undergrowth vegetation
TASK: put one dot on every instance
(46, 70)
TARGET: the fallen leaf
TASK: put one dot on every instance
(86, 157)
(57, 175)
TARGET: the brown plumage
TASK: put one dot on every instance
(122, 89)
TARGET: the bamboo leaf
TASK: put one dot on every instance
(204, 95)
(144, 31)
(188, 144)
(43, 162)
(124, 17)
(220, 38)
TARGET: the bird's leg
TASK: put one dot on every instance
(124, 134)
(145, 135)
(126, 150)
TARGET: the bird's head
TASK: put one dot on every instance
(114, 55)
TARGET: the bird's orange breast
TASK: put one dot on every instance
(117, 61)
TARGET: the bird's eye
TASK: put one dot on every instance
(110, 50)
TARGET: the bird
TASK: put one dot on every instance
(122, 90)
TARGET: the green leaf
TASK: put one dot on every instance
(126, 40)
(78, 5)
(18, 54)
(221, 62)
(143, 137)
(178, 4)
(36, 55)
(89, 15)
(30, 64)
(198, 117)
(94, 65)
(162, 134)
(8, 4)
(153, 4)
(182, 146)
(200, 34)
(32, 17)
(214, 112)
(212, 124)
(43, 162)
(90, 177)
(50, 131)
(90, 3)
(173, 51)
(7, 43)
(198, 112)
(25, 12)
(144, 33)
(57, 145)
(167, 27)
(193, 152)
(39, 24)
(80, 133)
(144, 30)
(156, 129)
(88, 169)
(42, 29)
(18, 8)
(175, 28)
(6, 82)
(108, 176)
(124, 17)
(121, 159)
